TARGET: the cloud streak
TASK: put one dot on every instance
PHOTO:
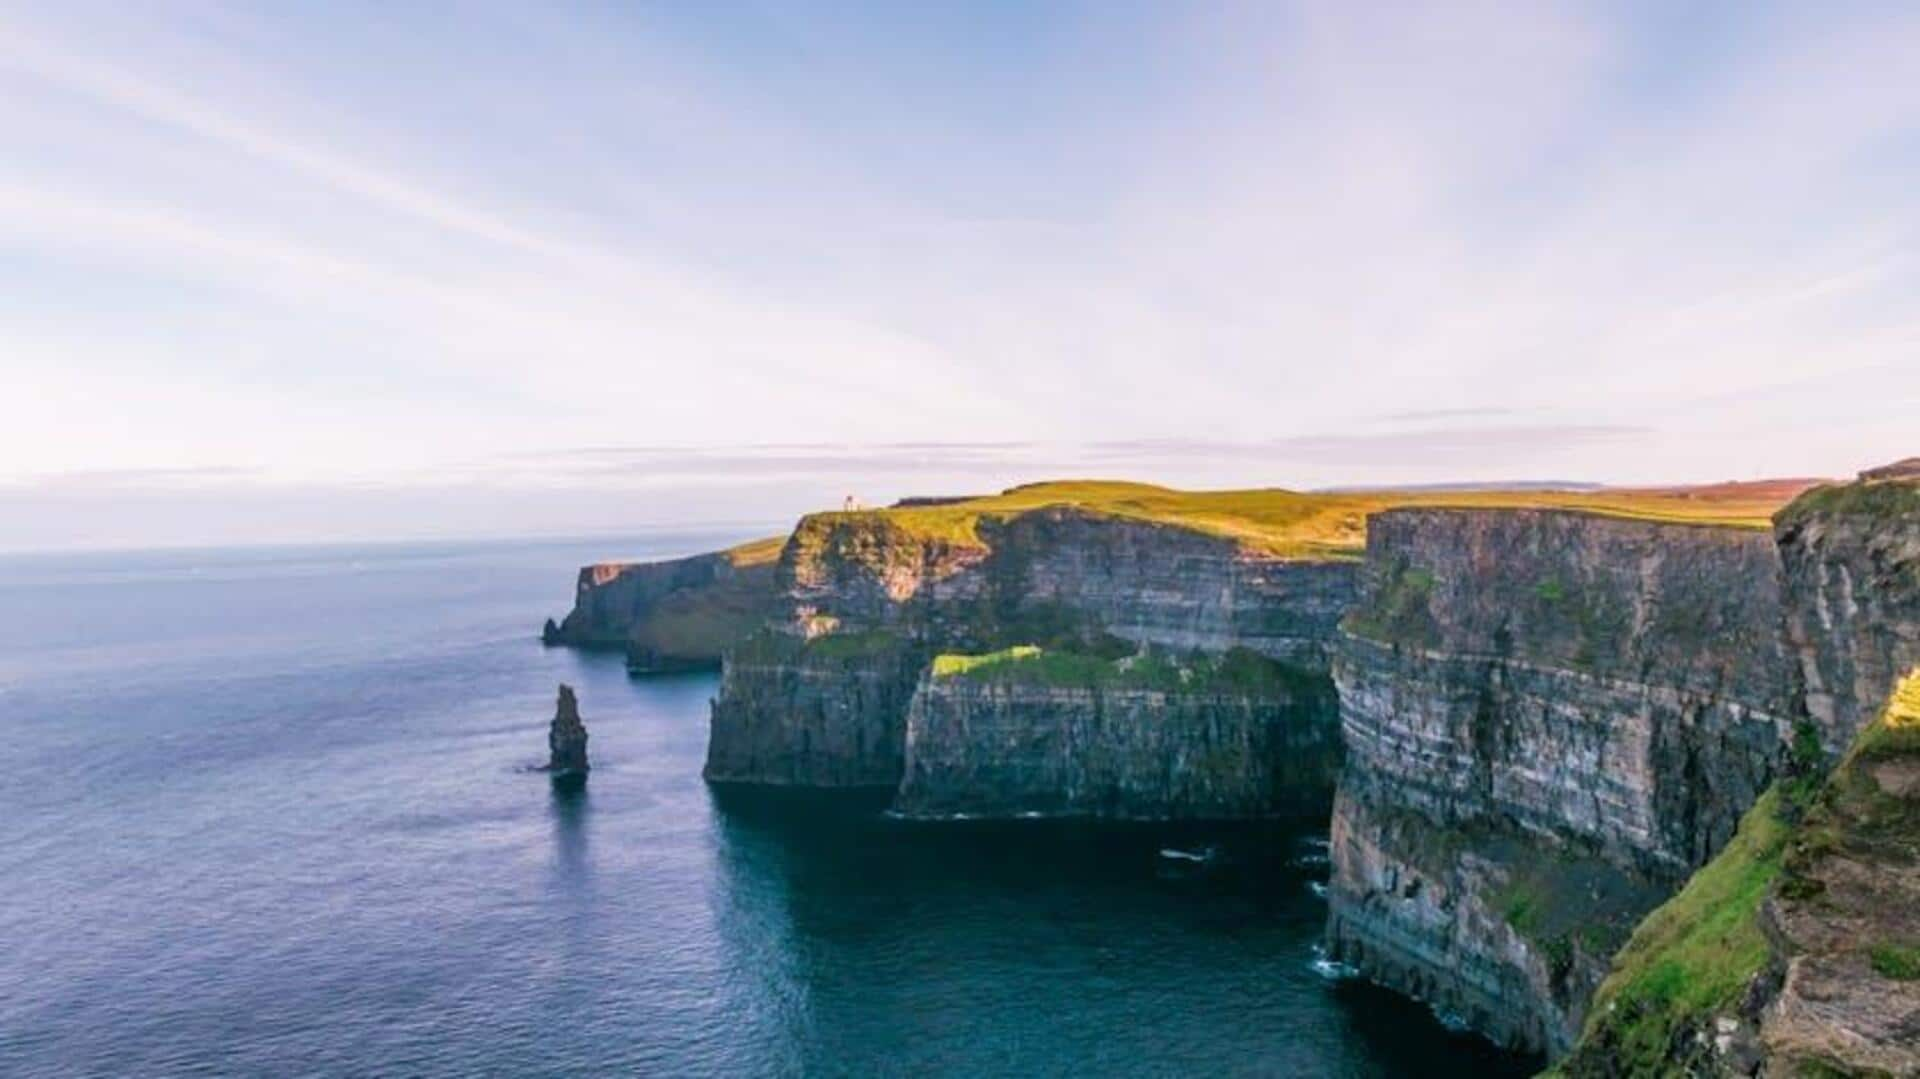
(1298, 244)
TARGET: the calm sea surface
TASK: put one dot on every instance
(267, 813)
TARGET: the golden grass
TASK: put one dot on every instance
(1294, 524)
(756, 552)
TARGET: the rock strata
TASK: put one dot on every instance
(823, 696)
(1851, 555)
(674, 615)
(1234, 737)
(1796, 951)
(1534, 701)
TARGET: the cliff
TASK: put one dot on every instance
(897, 587)
(1058, 567)
(679, 614)
(1156, 736)
(1796, 951)
(1102, 570)
(812, 713)
(1550, 718)
(1851, 555)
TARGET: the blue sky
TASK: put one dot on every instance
(272, 272)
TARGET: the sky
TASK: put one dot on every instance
(282, 273)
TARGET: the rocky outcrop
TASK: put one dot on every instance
(567, 737)
(824, 713)
(1146, 582)
(1148, 737)
(1796, 951)
(822, 698)
(679, 614)
(1851, 555)
(1534, 700)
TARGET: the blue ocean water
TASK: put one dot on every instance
(267, 812)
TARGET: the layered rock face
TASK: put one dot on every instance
(679, 614)
(1534, 700)
(1149, 583)
(859, 584)
(824, 713)
(1796, 951)
(1023, 742)
(1852, 569)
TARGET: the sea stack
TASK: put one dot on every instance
(567, 738)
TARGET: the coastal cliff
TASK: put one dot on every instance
(888, 591)
(1152, 735)
(822, 713)
(1037, 571)
(1796, 951)
(1550, 719)
(1851, 555)
(677, 614)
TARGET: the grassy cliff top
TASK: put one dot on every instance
(1295, 524)
(758, 552)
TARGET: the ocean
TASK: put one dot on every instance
(271, 812)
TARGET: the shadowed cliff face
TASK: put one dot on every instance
(1796, 951)
(678, 614)
(1082, 584)
(822, 713)
(1550, 718)
(1019, 743)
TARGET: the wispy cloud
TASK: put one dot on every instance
(1294, 243)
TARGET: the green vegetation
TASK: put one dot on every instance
(1293, 524)
(760, 552)
(772, 646)
(949, 665)
(1401, 610)
(1881, 499)
(1550, 590)
(1565, 901)
(1693, 956)
(1239, 670)
(1901, 962)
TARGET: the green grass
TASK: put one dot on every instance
(1901, 962)
(1239, 670)
(1294, 524)
(1694, 955)
(1880, 499)
(758, 552)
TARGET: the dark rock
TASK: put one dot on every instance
(567, 737)
(675, 615)
(822, 699)
(1531, 698)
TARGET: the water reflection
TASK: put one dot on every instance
(568, 810)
